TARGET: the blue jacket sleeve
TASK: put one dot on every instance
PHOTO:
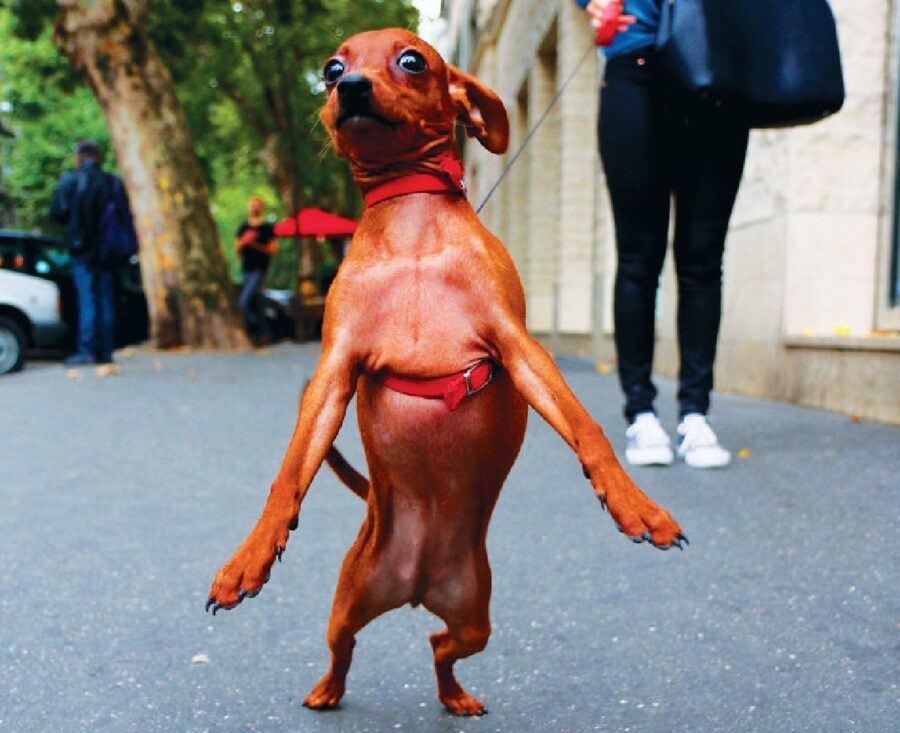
(581, 3)
(60, 208)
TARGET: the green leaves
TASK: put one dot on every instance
(50, 110)
(31, 17)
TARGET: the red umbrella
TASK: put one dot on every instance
(315, 223)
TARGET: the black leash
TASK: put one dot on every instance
(591, 47)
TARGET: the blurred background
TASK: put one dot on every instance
(811, 288)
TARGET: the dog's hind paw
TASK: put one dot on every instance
(463, 703)
(325, 695)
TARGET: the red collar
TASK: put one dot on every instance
(448, 178)
(452, 388)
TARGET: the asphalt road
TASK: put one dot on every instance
(121, 496)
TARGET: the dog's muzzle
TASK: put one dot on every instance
(355, 97)
(354, 90)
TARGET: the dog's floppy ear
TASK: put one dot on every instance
(480, 109)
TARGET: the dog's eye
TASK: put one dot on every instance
(412, 62)
(333, 71)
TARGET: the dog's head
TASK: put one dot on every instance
(392, 99)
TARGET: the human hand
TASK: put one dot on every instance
(601, 13)
(248, 237)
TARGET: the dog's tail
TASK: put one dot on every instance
(349, 476)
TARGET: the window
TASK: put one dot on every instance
(894, 285)
(50, 258)
(888, 284)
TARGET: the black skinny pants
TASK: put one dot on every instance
(656, 149)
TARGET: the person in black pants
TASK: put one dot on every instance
(659, 147)
(78, 205)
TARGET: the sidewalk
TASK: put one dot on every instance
(121, 496)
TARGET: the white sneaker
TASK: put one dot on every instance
(648, 444)
(698, 444)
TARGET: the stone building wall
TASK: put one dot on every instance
(808, 252)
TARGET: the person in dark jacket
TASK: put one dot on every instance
(78, 204)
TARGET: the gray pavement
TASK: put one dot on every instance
(121, 496)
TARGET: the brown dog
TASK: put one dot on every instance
(425, 292)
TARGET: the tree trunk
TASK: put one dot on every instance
(284, 175)
(189, 292)
(281, 173)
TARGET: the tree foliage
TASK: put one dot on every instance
(264, 58)
(50, 110)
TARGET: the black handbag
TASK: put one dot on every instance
(776, 62)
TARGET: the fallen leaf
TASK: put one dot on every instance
(744, 453)
(842, 330)
(107, 370)
(200, 659)
(855, 417)
(73, 373)
(603, 367)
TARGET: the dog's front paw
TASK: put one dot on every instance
(244, 575)
(643, 520)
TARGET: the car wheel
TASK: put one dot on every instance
(12, 346)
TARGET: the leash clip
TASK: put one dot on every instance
(468, 373)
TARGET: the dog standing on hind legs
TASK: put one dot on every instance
(425, 324)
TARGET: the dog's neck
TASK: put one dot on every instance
(369, 175)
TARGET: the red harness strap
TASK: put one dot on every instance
(449, 178)
(452, 389)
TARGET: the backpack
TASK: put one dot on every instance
(117, 240)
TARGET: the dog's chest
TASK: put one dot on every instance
(421, 311)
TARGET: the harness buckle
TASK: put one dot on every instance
(468, 373)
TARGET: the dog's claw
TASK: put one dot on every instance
(677, 543)
(294, 522)
(279, 551)
(215, 608)
(683, 536)
(585, 472)
(242, 595)
(209, 602)
(646, 537)
(602, 499)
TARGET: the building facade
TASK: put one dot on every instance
(811, 299)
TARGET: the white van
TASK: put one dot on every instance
(29, 317)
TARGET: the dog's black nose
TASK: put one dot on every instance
(354, 88)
